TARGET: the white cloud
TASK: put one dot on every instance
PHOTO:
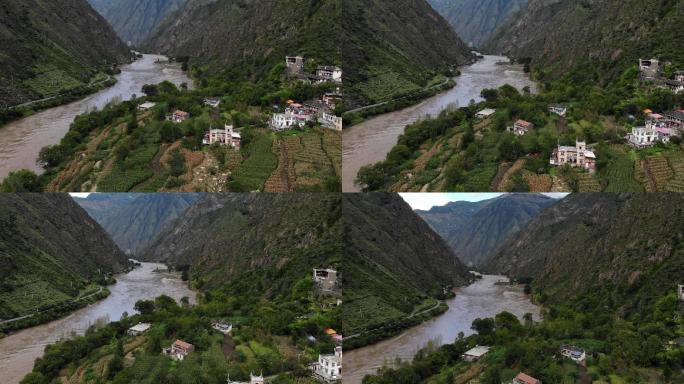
(425, 201)
(82, 195)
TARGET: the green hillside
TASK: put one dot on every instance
(394, 266)
(51, 252)
(42, 56)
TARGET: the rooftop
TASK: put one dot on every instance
(478, 351)
(525, 378)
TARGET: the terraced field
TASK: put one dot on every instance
(252, 174)
(658, 169)
(311, 162)
(588, 183)
(538, 183)
(676, 162)
(620, 175)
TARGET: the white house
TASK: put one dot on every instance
(226, 136)
(295, 64)
(521, 127)
(650, 68)
(577, 156)
(146, 106)
(325, 278)
(329, 73)
(178, 350)
(476, 353)
(680, 291)
(139, 329)
(293, 116)
(643, 136)
(576, 354)
(485, 113)
(331, 121)
(328, 367)
(558, 109)
(214, 103)
(252, 380)
(223, 327)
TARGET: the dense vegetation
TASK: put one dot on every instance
(392, 49)
(603, 287)
(43, 57)
(397, 270)
(458, 152)
(53, 258)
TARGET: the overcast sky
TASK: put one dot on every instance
(425, 201)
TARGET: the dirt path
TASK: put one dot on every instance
(652, 185)
(286, 160)
(583, 377)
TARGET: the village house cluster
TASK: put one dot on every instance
(651, 71)
(320, 110)
(659, 128)
(253, 379)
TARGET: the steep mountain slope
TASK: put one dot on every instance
(134, 20)
(610, 34)
(393, 262)
(476, 20)
(394, 47)
(50, 249)
(52, 46)
(259, 243)
(250, 36)
(627, 248)
(476, 230)
(134, 220)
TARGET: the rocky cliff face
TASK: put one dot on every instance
(398, 44)
(393, 260)
(135, 220)
(49, 249)
(249, 36)
(627, 248)
(52, 45)
(256, 242)
(476, 20)
(135, 20)
(474, 231)
(611, 34)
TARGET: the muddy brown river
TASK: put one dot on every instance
(19, 350)
(22, 140)
(370, 141)
(484, 298)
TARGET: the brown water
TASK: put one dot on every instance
(19, 350)
(370, 141)
(481, 299)
(22, 140)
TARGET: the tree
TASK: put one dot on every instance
(21, 181)
(177, 163)
(483, 327)
(145, 307)
(52, 156)
(150, 90)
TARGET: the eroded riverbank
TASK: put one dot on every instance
(19, 350)
(22, 140)
(369, 142)
(484, 298)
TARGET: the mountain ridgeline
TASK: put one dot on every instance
(476, 20)
(259, 243)
(475, 230)
(135, 20)
(626, 249)
(393, 47)
(135, 220)
(49, 47)
(50, 251)
(600, 37)
(394, 263)
(248, 36)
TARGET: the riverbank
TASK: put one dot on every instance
(369, 142)
(483, 298)
(22, 140)
(19, 350)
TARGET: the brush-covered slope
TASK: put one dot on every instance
(392, 47)
(393, 261)
(47, 47)
(603, 37)
(261, 243)
(250, 36)
(135, 220)
(625, 248)
(50, 250)
(474, 231)
(476, 20)
(134, 20)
